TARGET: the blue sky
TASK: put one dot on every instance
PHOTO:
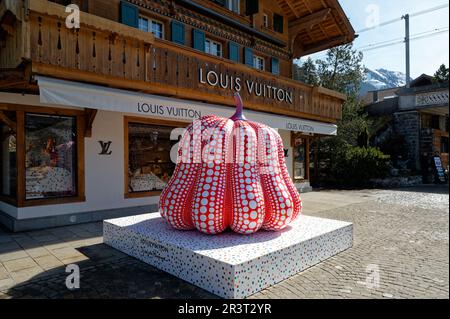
(427, 54)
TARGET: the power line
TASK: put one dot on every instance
(429, 10)
(401, 39)
(400, 18)
(396, 41)
(380, 25)
(417, 37)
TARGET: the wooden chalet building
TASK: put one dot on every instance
(90, 113)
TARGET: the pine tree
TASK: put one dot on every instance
(441, 74)
(342, 71)
(306, 73)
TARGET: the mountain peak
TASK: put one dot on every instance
(381, 79)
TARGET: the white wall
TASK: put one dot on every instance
(104, 175)
(286, 136)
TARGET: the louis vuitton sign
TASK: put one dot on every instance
(237, 84)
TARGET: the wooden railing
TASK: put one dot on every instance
(109, 53)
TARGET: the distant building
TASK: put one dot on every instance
(420, 115)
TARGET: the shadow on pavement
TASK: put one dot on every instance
(107, 273)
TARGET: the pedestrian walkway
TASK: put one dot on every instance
(400, 251)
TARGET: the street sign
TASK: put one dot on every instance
(439, 169)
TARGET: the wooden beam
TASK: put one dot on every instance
(306, 23)
(341, 19)
(11, 85)
(320, 26)
(319, 46)
(90, 115)
(10, 123)
(309, 21)
(291, 6)
(11, 75)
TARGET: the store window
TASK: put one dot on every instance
(259, 63)
(50, 156)
(300, 159)
(153, 26)
(213, 47)
(8, 156)
(150, 165)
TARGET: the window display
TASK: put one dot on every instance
(149, 164)
(8, 156)
(50, 160)
(299, 159)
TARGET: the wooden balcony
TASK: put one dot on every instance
(109, 53)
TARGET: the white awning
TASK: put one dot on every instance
(75, 94)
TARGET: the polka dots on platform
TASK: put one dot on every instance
(230, 174)
(229, 265)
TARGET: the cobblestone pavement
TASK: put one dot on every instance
(400, 251)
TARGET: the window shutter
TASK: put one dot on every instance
(178, 32)
(248, 57)
(278, 23)
(275, 66)
(129, 14)
(233, 51)
(251, 7)
(198, 41)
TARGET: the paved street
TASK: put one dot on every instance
(400, 250)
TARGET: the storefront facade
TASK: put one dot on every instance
(90, 123)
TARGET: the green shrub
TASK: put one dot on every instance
(356, 166)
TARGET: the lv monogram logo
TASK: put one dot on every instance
(105, 148)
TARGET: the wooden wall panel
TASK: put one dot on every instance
(130, 60)
(108, 9)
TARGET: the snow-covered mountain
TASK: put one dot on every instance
(382, 79)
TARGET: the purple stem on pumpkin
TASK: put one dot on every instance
(238, 116)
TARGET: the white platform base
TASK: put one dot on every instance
(229, 265)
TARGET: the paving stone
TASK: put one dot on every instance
(37, 252)
(4, 257)
(3, 272)
(19, 264)
(401, 234)
(48, 262)
(6, 283)
(74, 260)
(9, 247)
(27, 274)
(5, 239)
(66, 253)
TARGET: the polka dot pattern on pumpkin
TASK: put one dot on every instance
(230, 174)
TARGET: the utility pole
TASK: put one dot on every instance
(408, 61)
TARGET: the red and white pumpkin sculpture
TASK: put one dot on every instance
(230, 173)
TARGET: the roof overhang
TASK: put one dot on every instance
(316, 25)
